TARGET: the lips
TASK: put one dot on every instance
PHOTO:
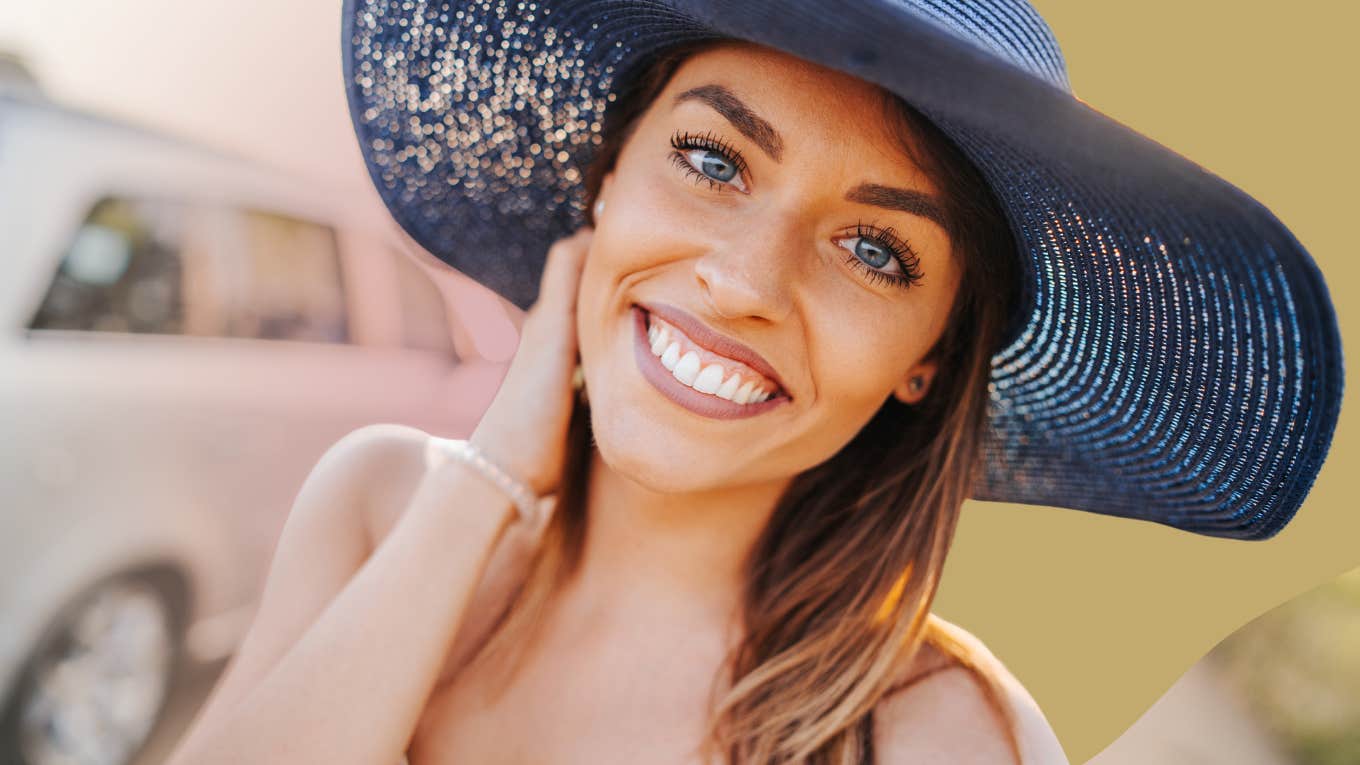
(702, 404)
(715, 342)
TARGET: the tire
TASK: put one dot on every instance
(96, 684)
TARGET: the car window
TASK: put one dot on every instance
(163, 267)
(425, 318)
(121, 272)
(281, 279)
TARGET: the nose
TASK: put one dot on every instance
(754, 271)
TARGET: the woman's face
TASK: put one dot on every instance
(768, 226)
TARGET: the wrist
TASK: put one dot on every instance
(510, 460)
(473, 487)
(493, 468)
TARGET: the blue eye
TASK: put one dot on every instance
(715, 166)
(871, 253)
(708, 159)
(874, 249)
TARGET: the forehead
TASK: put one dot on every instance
(810, 105)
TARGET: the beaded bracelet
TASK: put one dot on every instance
(529, 505)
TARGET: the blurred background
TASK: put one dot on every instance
(189, 317)
(201, 292)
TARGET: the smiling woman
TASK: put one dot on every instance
(839, 272)
(796, 250)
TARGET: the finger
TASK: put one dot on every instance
(565, 258)
(562, 271)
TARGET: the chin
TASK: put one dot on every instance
(646, 452)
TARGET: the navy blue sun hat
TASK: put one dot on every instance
(1177, 358)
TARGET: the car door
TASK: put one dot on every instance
(190, 362)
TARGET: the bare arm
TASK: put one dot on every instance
(348, 645)
(346, 649)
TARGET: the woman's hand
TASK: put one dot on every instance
(525, 428)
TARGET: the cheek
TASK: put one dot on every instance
(859, 354)
(643, 228)
(651, 218)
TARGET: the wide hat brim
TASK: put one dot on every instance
(1177, 358)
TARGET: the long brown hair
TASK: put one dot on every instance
(839, 583)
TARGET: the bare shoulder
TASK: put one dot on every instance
(943, 713)
(369, 458)
(392, 456)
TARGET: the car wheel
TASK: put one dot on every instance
(96, 684)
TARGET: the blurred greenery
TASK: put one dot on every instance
(1298, 668)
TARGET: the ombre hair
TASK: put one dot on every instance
(838, 585)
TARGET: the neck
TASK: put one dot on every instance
(674, 551)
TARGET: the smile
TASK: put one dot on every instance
(697, 378)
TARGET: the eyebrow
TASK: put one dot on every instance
(747, 122)
(763, 134)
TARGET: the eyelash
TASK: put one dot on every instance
(885, 238)
(899, 250)
(684, 140)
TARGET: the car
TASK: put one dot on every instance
(183, 333)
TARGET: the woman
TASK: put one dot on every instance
(728, 574)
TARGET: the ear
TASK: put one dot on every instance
(605, 183)
(906, 392)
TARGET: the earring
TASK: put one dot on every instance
(915, 383)
(599, 208)
(578, 383)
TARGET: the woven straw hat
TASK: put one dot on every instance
(1177, 358)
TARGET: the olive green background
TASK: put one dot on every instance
(1098, 616)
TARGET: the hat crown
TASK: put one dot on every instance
(1009, 29)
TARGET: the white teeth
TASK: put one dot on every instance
(709, 379)
(672, 356)
(660, 339)
(687, 369)
(729, 389)
(743, 394)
